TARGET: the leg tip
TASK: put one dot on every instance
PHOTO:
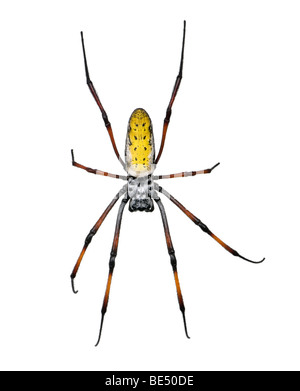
(261, 260)
(216, 165)
(73, 286)
(100, 331)
(72, 154)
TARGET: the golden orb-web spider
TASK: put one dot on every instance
(140, 189)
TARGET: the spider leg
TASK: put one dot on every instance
(95, 95)
(185, 174)
(113, 255)
(95, 171)
(169, 109)
(92, 232)
(173, 260)
(202, 225)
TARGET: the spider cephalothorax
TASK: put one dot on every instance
(140, 188)
(141, 192)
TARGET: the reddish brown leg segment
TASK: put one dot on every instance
(113, 255)
(95, 171)
(173, 260)
(185, 173)
(202, 225)
(103, 112)
(91, 234)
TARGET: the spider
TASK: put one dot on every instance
(140, 189)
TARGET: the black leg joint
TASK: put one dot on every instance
(91, 170)
(168, 115)
(89, 238)
(173, 260)
(203, 226)
(112, 263)
(105, 119)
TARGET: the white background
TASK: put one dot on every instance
(238, 104)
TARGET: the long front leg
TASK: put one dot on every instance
(173, 260)
(113, 255)
(173, 96)
(93, 232)
(96, 97)
(202, 225)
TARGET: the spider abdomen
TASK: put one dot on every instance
(140, 192)
(139, 151)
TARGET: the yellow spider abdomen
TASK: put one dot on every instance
(139, 153)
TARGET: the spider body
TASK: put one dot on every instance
(139, 160)
(140, 188)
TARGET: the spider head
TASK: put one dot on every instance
(144, 205)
